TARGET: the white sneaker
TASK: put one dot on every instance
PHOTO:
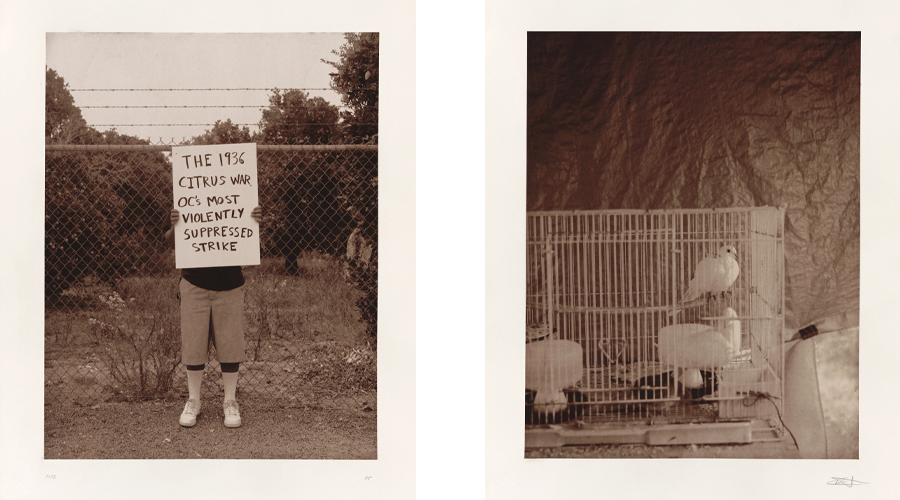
(189, 415)
(232, 414)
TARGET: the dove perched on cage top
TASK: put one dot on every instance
(714, 274)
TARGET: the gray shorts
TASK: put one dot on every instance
(207, 315)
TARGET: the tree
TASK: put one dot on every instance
(224, 133)
(295, 118)
(103, 209)
(305, 189)
(356, 80)
(62, 119)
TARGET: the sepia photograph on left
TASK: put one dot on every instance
(204, 265)
(211, 262)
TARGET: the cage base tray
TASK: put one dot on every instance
(631, 433)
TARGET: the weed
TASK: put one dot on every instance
(60, 326)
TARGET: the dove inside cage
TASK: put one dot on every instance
(672, 315)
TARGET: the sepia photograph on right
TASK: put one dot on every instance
(692, 269)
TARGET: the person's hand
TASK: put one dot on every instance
(173, 217)
(257, 214)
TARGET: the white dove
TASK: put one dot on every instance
(690, 347)
(732, 328)
(714, 274)
(552, 365)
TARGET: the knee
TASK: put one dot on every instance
(230, 367)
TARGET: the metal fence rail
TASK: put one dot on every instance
(112, 319)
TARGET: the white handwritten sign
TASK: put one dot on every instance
(215, 190)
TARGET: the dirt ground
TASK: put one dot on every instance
(150, 430)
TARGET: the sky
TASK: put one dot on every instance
(187, 61)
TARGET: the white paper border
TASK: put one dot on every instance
(23, 29)
(509, 475)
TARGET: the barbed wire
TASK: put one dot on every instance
(203, 124)
(261, 106)
(187, 90)
(164, 147)
(172, 124)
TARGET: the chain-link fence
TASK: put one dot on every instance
(112, 312)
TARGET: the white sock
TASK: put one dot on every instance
(230, 381)
(195, 381)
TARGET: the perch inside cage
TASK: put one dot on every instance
(678, 313)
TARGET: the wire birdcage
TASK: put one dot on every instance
(612, 338)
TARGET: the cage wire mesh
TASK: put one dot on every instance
(609, 338)
(111, 308)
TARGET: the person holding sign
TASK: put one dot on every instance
(214, 232)
(212, 308)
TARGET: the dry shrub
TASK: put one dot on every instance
(140, 337)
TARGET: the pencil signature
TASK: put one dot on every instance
(843, 481)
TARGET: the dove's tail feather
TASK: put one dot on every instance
(690, 294)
